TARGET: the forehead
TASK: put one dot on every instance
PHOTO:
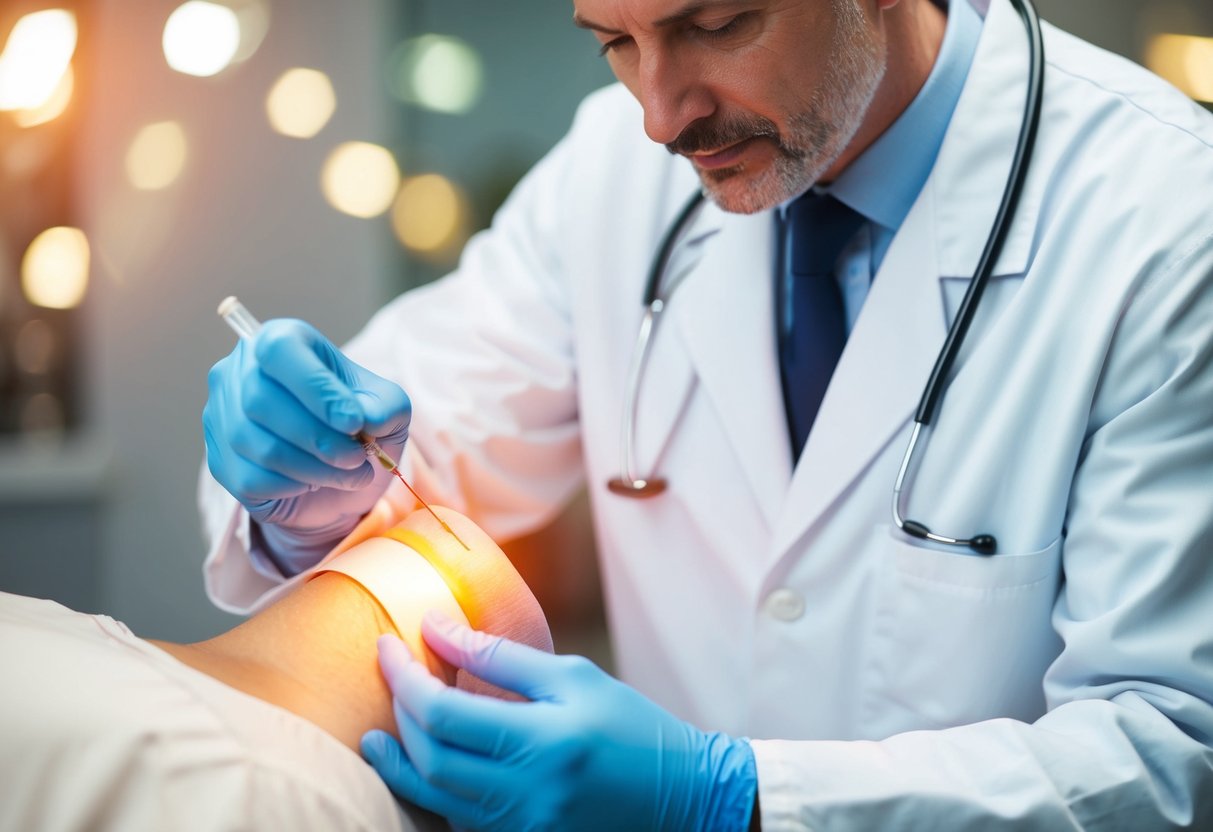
(655, 12)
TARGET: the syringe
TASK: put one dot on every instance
(238, 317)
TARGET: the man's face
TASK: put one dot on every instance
(761, 95)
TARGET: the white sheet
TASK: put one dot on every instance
(102, 730)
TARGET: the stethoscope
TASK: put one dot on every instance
(628, 484)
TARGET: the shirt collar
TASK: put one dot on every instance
(884, 181)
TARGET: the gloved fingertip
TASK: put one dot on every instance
(440, 623)
(344, 416)
(394, 657)
(375, 745)
(438, 619)
(439, 628)
(386, 403)
(389, 644)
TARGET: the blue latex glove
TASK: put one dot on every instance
(279, 425)
(587, 753)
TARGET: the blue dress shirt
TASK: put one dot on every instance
(884, 181)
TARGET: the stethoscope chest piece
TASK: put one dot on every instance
(640, 489)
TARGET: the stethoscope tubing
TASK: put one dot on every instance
(628, 484)
(669, 242)
(1026, 143)
(932, 394)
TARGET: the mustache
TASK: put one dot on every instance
(701, 136)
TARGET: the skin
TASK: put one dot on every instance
(313, 653)
(767, 97)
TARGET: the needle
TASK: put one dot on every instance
(372, 449)
(246, 326)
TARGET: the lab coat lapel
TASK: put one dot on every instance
(879, 377)
(889, 355)
(725, 312)
(975, 159)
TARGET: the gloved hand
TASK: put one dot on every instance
(279, 425)
(587, 753)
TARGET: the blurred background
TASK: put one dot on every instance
(315, 158)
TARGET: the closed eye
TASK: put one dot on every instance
(723, 29)
(708, 31)
(612, 45)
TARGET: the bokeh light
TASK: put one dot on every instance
(37, 54)
(157, 156)
(53, 107)
(1184, 60)
(201, 38)
(437, 72)
(254, 20)
(300, 103)
(360, 179)
(430, 215)
(54, 271)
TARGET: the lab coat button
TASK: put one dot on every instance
(785, 604)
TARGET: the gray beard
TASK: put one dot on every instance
(818, 135)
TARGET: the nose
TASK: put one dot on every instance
(672, 96)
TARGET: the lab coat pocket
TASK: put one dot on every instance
(959, 637)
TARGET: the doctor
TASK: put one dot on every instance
(1064, 681)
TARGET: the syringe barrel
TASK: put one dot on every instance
(238, 317)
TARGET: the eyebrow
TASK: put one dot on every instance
(688, 11)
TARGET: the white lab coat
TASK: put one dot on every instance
(1066, 681)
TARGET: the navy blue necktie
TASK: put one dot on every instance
(813, 323)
